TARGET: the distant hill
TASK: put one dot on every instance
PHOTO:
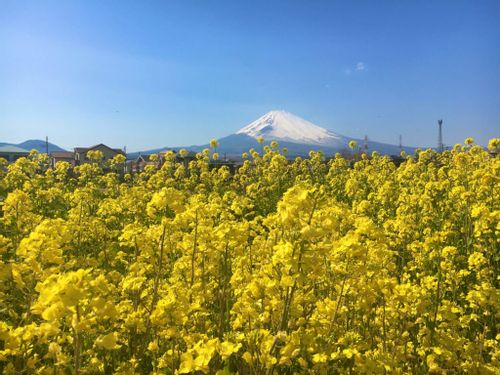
(36, 144)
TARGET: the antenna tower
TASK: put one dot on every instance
(440, 136)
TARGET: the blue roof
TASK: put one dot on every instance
(10, 149)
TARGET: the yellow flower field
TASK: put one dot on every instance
(304, 267)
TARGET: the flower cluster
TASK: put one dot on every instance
(312, 266)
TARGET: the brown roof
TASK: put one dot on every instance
(85, 149)
(62, 154)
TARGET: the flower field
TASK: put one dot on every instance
(303, 267)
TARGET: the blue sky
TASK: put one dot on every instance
(148, 74)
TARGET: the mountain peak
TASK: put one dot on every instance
(283, 125)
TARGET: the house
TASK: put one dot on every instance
(138, 164)
(57, 156)
(80, 154)
(12, 153)
(233, 166)
(144, 160)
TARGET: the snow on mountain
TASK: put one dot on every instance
(282, 125)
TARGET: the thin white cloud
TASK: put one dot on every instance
(360, 66)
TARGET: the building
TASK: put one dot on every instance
(143, 160)
(57, 156)
(80, 153)
(12, 153)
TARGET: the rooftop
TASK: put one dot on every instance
(13, 150)
(85, 149)
(62, 154)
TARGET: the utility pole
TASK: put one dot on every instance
(400, 143)
(440, 136)
(365, 145)
(125, 162)
(47, 145)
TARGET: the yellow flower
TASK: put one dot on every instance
(494, 145)
(469, 141)
(153, 346)
(108, 342)
(275, 265)
(227, 348)
(187, 364)
(320, 358)
(214, 143)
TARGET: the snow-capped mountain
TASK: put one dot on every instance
(285, 126)
(299, 136)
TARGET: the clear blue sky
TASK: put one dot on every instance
(148, 74)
